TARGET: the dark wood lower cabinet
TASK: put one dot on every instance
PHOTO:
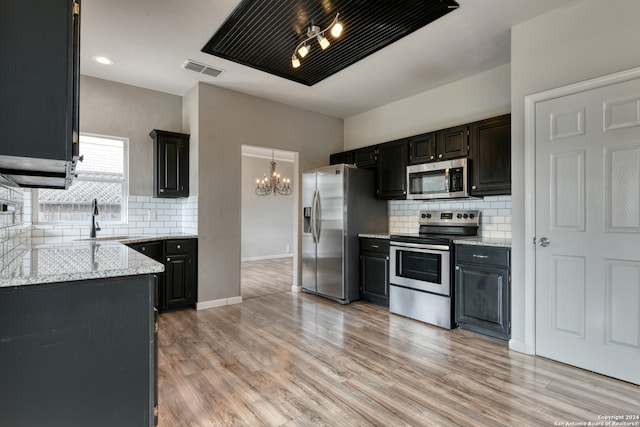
(374, 270)
(78, 354)
(483, 290)
(178, 285)
(177, 278)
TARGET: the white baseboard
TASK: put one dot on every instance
(218, 303)
(517, 345)
(259, 258)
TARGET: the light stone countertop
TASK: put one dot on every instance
(375, 235)
(130, 239)
(72, 261)
(483, 241)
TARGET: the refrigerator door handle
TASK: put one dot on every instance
(313, 216)
(318, 216)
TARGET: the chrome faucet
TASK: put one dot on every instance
(94, 224)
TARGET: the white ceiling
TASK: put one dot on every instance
(149, 40)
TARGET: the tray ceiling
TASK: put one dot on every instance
(263, 34)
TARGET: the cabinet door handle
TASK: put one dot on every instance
(144, 249)
(480, 256)
(168, 259)
(431, 158)
(439, 156)
(473, 187)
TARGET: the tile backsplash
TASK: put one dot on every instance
(146, 216)
(495, 214)
(14, 233)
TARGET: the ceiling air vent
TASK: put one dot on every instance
(201, 68)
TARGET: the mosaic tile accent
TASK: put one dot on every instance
(14, 234)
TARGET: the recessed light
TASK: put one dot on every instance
(102, 60)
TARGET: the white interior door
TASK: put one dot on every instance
(588, 209)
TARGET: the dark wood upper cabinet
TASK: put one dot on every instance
(452, 143)
(343, 157)
(393, 158)
(170, 164)
(366, 157)
(490, 155)
(422, 148)
(444, 144)
(39, 83)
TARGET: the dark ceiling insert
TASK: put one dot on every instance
(264, 33)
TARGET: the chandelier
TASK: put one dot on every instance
(314, 32)
(272, 184)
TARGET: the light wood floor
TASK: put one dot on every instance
(289, 359)
(266, 277)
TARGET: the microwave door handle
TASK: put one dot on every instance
(446, 180)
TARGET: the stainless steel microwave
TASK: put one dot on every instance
(438, 180)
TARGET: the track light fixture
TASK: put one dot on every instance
(314, 32)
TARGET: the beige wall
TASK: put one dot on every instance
(190, 126)
(227, 120)
(587, 39)
(115, 109)
(477, 97)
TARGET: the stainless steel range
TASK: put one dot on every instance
(421, 276)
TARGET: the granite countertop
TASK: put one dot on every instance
(129, 239)
(483, 241)
(67, 262)
(374, 235)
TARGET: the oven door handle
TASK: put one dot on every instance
(420, 246)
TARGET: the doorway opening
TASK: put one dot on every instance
(269, 224)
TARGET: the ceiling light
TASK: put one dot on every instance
(336, 30)
(271, 184)
(324, 43)
(315, 32)
(102, 60)
(304, 49)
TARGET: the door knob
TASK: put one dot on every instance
(544, 242)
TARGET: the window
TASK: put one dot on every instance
(102, 175)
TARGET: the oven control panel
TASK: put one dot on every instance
(463, 217)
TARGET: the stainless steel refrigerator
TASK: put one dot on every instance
(338, 203)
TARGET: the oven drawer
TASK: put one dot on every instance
(471, 254)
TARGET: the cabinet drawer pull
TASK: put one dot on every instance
(480, 256)
(375, 246)
(168, 259)
(144, 249)
(178, 246)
